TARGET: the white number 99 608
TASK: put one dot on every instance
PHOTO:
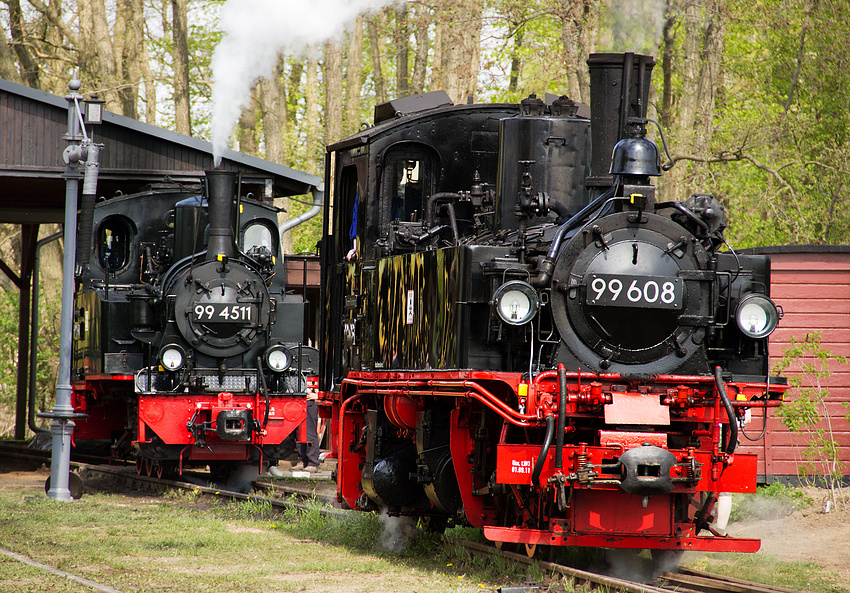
(634, 291)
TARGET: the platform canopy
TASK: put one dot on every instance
(133, 155)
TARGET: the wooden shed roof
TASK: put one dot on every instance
(134, 155)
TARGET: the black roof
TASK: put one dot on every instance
(134, 155)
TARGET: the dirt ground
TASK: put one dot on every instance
(808, 535)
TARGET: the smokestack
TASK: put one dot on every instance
(221, 187)
(619, 89)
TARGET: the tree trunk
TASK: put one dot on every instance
(461, 46)
(273, 108)
(104, 57)
(669, 39)
(311, 98)
(516, 63)
(354, 77)
(402, 52)
(29, 67)
(129, 41)
(439, 64)
(375, 50)
(333, 91)
(248, 127)
(421, 21)
(701, 74)
(8, 70)
(180, 35)
(579, 28)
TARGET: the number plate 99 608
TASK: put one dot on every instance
(622, 290)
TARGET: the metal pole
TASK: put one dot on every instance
(62, 414)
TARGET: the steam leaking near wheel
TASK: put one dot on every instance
(256, 33)
(396, 532)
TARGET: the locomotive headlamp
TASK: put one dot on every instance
(516, 302)
(757, 316)
(172, 357)
(278, 358)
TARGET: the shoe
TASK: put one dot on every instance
(298, 467)
(312, 468)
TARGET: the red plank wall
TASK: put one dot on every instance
(812, 284)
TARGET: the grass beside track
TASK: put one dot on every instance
(181, 543)
(175, 544)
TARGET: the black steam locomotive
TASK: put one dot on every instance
(188, 349)
(531, 342)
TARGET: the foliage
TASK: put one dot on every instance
(808, 366)
(774, 133)
(48, 352)
(782, 132)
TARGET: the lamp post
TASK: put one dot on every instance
(79, 147)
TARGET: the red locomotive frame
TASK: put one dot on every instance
(595, 512)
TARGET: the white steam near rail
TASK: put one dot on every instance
(255, 32)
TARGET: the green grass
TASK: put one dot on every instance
(143, 545)
(763, 568)
(138, 545)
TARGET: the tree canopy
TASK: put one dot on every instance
(752, 95)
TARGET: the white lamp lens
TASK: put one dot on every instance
(757, 316)
(278, 360)
(172, 359)
(516, 302)
(514, 306)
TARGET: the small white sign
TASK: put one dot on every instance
(409, 307)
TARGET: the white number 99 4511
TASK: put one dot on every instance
(621, 290)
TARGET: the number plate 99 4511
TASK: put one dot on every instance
(224, 313)
(622, 290)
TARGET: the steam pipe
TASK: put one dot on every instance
(547, 263)
(318, 202)
(562, 415)
(547, 442)
(430, 208)
(86, 216)
(733, 422)
(450, 208)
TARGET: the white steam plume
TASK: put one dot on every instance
(255, 32)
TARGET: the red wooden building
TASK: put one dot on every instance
(812, 285)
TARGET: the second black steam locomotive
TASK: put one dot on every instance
(531, 342)
(188, 348)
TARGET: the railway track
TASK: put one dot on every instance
(283, 496)
(685, 580)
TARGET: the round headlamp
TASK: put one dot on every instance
(756, 316)
(516, 302)
(278, 358)
(172, 357)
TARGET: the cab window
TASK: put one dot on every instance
(114, 239)
(258, 234)
(407, 183)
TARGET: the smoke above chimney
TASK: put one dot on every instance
(255, 33)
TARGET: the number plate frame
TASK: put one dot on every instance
(642, 292)
(224, 313)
